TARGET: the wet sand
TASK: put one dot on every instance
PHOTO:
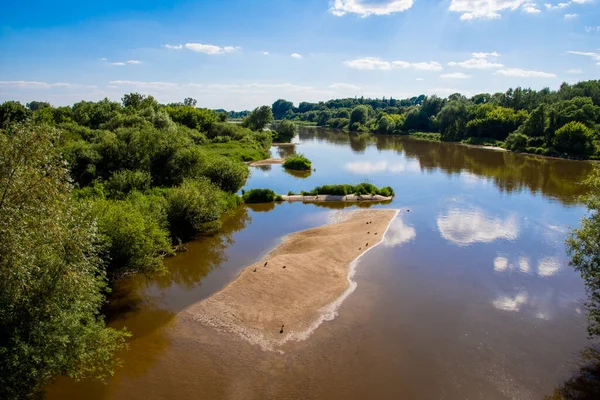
(268, 161)
(268, 304)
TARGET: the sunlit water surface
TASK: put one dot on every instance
(470, 295)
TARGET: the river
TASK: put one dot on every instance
(470, 295)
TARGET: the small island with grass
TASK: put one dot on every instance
(361, 192)
(297, 162)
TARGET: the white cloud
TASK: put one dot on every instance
(149, 85)
(594, 56)
(420, 79)
(486, 55)
(43, 85)
(455, 75)
(174, 47)
(475, 63)
(571, 16)
(265, 53)
(488, 9)
(591, 29)
(134, 62)
(344, 86)
(558, 6)
(531, 8)
(376, 63)
(465, 227)
(296, 55)
(363, 8)
(574, 71)
(524, 73)
(103, 59)
(112, 87)
(211, 49)
(368, 167)
(500, 264)
(120, 64)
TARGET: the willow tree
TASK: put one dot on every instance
(51, 278)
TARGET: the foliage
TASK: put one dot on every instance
(583, 246)
(12, 111)
(123, 182)
(259, 196)
(345, 189)
(194, 118)
(575, 138)
(281, 108)
(286, 130)
(259, 118)
(297, 162)
(51, 276)
(358, 117)
(226, 173)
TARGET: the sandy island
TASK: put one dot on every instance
(331, 197)
(268, 161)
(297, 286)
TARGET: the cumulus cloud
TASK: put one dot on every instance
(531, 8)
(296, 55)
(365, 8)
(571, 16)
(486, 55)
(465, 227)
(592, 29)
(265, 53)
(488, 9)
(525, 73)
(376, 63)
(174, 47)
(557, 6)
(475, 63)
(455, 75)
(211, 49)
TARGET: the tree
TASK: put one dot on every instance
(583, 246)
(536, 124)
(281, 107)
(188, 101)
(575, 138)
(139, 101)
(37, 105)
(51, 278)
(286, 131)
(386, 125)
(258, 118)
(359, 115)
(452, 120)
(12, 111)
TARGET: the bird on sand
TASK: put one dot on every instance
(284, 266)
(254, 269)
(281, 331)
(265, 265)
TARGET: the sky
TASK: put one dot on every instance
(240, 54)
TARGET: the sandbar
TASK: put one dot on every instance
(269, 305)
(331, 197)
(268, 161)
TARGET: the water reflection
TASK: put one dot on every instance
(465, 227)
(399, 233)
(585, 383)
(511, 303)
(546, 266)
(370, 167)
(297, 174)
(284, 151)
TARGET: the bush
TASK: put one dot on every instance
(229, 175)
(134, 238)
(260, 196)
(575, 138)
(516, 141)
(297, 162)
(286, 130)
(345, 189)
(121, 183)
(195, 207)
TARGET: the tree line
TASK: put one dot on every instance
(563, 123)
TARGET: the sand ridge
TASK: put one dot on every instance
(269, 305)
(268, 161)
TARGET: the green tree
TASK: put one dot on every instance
(583, 246)
(452, 120)
(139, 101)
(286, 130)
(574, 138)
(51, 278)
(258, 118)
(190, 102)
(12, 111)
(359, 115)
(536, 124)
(281, 107)
(386, 125)
(37, 105)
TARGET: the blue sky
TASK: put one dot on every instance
(238, 54)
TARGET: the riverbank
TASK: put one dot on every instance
(289, 293)
(268, 161)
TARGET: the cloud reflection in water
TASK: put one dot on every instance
(464, 228)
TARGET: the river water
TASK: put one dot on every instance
(469, 297)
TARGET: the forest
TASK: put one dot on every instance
(560, 123)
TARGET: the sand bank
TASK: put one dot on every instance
(330, 197)
(319, 264)
(268, 161)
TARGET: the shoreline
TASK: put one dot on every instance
(319, 266)
(331, 197)
(267, 161)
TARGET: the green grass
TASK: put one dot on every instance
(237, 150)
(345, 189)
(434, 137)
(260, 196)
(298, 163)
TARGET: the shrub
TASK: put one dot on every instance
(516, 141)
(123, 182)
(345, 189)
(229, 175)
(297, 162)
(575, 138)
(195, 207)
(134, 238)
(260, 196)
(286, 130)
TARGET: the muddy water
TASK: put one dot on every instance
(469, 296)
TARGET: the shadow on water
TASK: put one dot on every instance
(585, 383)
(297, 174)
(264, 167)
(286, 151)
